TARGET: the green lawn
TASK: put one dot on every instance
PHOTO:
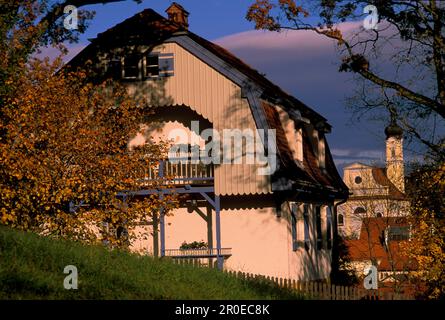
(31, 267)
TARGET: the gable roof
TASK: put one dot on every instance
(159, 29)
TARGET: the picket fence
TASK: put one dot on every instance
(315, 290)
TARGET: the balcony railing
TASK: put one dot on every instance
(180, 172)
(198, 253)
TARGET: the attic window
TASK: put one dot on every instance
(131, 67)
(159, 65)
(152, 66)
(115, 68)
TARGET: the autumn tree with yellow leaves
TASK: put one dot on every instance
(65, 163)
(427, 245)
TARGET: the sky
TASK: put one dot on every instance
(300, 62)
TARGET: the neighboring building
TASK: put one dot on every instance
(376, 192)
(374, 219)
(380, 243)
(279, 224)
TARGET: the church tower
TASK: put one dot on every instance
(394, 155)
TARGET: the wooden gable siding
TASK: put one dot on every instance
(216, 98)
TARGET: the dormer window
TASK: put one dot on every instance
(294, 134)
(321, 152)
(317, 142)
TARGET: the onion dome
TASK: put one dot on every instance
(393, 130)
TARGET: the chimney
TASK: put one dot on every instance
(178, 15)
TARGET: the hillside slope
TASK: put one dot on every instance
(31, 267)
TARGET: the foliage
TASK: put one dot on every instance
(427, 246)
(193, 245)
(400, 64)
(63, 140)
(31, 267)
(66, 142)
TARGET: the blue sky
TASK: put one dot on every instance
(211, 19)
(302, 63)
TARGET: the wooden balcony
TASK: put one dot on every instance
(198, 253)
(180, 172)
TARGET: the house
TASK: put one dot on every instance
(376, 192)
(381, 243)
(251, 163)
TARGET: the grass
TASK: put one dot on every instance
(31, 267)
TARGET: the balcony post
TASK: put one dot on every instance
(219, 257)
(162, 226)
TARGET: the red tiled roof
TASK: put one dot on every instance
(379, 175)
(371, 245)
(311, 172)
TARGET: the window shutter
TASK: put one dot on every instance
(294, 227)
(329, 226)
(166, 65)
(318, 227)
(114, 69)
(307, 241)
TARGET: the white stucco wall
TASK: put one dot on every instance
(261, 242)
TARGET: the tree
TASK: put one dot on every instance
(66, 143)
(427, 247)
(412, 84)
(26, 26)
(64, 155)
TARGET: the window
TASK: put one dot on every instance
(152, 66)
(318, 227)
(159, 65)
(379, 215)
(294, 226)
(307, 242)
(329, 227)
(293, 133)
(114, 69)
(359, 210)
(341, 220)
(358, 180)
(398, 233)
(131, 67)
